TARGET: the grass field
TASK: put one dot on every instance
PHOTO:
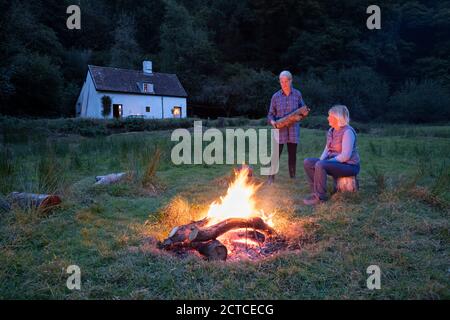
(399, 221)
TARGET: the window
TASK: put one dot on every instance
(176, 112)
(147, 87)
(147, 109)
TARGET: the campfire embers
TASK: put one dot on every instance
(233, 226)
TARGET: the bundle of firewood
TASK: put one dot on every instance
(293, 117)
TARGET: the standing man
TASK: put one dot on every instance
(284, 102)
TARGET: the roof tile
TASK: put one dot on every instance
(124, 80)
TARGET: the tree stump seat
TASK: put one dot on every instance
(346, 184)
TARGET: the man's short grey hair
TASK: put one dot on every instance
(286, 74)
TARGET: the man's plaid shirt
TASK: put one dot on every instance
(282, 105)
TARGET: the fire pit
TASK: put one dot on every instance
(232, 228)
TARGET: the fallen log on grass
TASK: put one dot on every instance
(109, 179)
(31, 200)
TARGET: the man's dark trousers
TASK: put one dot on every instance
(292, 157)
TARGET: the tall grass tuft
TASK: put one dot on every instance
(50, 173)
(374, 149)
(132, 168)
(6, 162)
(379, 178)
(7, 169)
(441, 184)
(149, 178)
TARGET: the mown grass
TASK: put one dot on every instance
(399, 220)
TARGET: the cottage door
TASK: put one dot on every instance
(117, 111)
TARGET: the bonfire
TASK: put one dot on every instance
(233, 225)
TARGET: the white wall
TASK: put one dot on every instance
(86, 100)
(132, 104)
(170, 102)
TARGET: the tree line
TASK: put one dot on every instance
(228, 53)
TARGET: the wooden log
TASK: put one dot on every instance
(250, 234)
(109, 179)
(220, 228)
(292, 117)
(180, 234)
(186, 235)
(32, 200)
(346, 184)
(213, 250)
(196, 235)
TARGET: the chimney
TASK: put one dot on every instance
(147, 67)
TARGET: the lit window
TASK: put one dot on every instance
(176, 112)
(147, 109)
(147, 87)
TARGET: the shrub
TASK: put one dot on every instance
(316, 93)
(361, 89)
(106, 106)
(244, 91)
(37, 82)
(420, 101)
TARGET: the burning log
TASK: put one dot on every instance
(181, 234)
(213, 250)
(235, 211)
(198, 236)
(229, 224)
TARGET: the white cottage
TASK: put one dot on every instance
(145, 93)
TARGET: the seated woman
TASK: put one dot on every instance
(339, 159)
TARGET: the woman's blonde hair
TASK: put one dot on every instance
(341, 113)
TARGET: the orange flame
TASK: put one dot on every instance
(249, 242)
(239, 201)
